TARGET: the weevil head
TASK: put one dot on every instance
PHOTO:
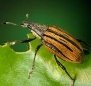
(25, 24)
(35, 27)
(28, 24)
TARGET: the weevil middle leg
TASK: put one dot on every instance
(33, 64)
(36, 50)
(63, 67)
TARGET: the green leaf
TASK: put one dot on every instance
(15, 66)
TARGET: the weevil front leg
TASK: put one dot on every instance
(63, 67)
(21, 41)
(33, 64)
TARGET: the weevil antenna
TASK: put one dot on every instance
(27, 16)
(11, 23)
(26, 21)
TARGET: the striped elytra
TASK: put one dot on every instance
(58, 42)
(63, 45)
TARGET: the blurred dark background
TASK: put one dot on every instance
(71, 15)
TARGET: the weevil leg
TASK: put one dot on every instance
(33, 64)
(63, 67)
(28, 40)
(86, 47)
(21, 41)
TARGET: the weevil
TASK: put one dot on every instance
(57, 41)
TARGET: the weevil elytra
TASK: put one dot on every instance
(57, 41)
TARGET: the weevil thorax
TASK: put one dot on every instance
(36, 29)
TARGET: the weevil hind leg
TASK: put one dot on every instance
(63, 67)
(86, 51)
(33, 64)
(86, 47)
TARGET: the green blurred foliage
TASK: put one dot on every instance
(15, 66)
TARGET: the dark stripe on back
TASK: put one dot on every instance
(58, 41)
(72, 42)
(54, 48)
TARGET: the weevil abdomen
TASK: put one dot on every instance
(62, 45)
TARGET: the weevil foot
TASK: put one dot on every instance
(11, 43)
(73, 81)
(29, 74)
